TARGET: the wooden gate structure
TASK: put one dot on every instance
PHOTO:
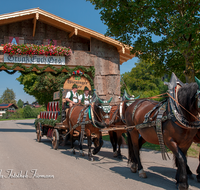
(92, 52)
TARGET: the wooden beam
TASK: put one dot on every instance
(1, 48)
(128, 56)
(34, 23)
(74, 32)
(16, 19)
(71, 34)
(123, 50)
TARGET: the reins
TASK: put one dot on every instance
(183, 107)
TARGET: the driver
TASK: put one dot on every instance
(72, 96)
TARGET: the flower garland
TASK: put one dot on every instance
(32, 49)
(78, 72)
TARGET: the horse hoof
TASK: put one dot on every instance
(190, 176)
(181, 187)
(95, 151)
(81, 153)
(142, 174)
(115, 154)
(133, 168)
(91, 159)
(72, 151)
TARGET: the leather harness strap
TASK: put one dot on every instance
(159, 117)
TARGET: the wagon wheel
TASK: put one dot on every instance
(55, 139)
(38, 132)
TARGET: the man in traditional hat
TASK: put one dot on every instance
(72, 96)
(85, 98)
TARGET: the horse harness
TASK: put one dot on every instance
(154, 121)
(81, 121)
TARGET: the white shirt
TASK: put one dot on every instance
(75, 98)
(86, 102)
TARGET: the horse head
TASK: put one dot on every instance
(129, 99)
(103, 109)
(188, 99)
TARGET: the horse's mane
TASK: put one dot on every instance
(186, 97)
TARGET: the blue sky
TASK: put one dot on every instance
(80, 12)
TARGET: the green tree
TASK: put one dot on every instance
(8, 96)
(1, 101)
(20, 103)
(41, 86)
(29, 112)
(175, 24)
(141, 81)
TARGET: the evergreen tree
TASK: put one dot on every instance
(8, 96)
(20, 103)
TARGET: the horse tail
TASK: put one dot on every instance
(131, 155)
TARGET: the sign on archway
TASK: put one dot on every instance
(80, 81)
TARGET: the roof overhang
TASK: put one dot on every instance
(65, 25)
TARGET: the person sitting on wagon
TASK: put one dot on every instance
(72, 96)
(85, 98)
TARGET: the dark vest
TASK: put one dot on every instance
(71, 97)
(83, 98)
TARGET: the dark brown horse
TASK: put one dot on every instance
(177, 136)
(116, 135)
(119, 121)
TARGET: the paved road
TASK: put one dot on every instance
(27, 164)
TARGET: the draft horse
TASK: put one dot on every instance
(118, 120)
(177, 129)
(88, 120)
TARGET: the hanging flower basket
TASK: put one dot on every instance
(31, 49)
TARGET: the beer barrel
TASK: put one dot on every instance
(56, 104)
(48, 106)
(56, 115)
(42, 114)
(45, 115)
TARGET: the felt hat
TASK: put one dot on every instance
(86, 88)
(74, 86)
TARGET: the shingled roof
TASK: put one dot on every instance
(4, 106)
(63, 24)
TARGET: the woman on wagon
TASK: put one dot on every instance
(85, 98)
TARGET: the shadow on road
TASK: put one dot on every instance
(25, 123)
(169, 172)
(17, 130)
(162, 177)
(152, 178)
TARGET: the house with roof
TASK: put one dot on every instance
(7, 107)
(89, 48)
(35, 105)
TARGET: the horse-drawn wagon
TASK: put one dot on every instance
(47, 122)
